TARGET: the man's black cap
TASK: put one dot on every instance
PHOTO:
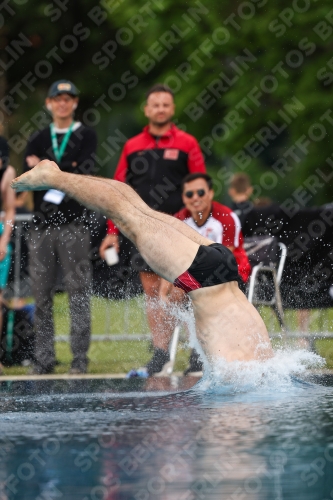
(62, 87)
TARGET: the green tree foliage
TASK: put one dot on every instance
(252, 79)
(253, 82)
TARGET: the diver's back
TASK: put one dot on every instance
(228, 325)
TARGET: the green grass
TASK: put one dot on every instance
(109, 357)
(324, 348)
(321, 320)
(118, 317)
(108, 316)
(113, 318)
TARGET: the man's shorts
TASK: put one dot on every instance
(213, 264)
(4, 264)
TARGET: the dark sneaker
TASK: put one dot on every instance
(139, 373)
(77, 371)
(78, 367)
(196, 364)
(41, 370)
(160, 357)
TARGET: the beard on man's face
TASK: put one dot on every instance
(160, 123)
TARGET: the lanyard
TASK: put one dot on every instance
(58, 152)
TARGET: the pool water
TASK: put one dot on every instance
(167, 438)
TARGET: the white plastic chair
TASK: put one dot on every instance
(267, 257)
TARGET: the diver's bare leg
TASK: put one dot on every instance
(136, 200)
(166, 249)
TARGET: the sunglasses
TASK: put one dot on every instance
(200, 192)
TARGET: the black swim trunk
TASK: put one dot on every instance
(213, 264)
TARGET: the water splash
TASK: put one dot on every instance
(277, 373)
(274, 374)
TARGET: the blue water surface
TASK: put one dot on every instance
(166, 439)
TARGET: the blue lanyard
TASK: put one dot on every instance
(59, 152)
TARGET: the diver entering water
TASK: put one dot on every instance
(221, 225)
(227, 325)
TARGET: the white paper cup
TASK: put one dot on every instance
(111, 256)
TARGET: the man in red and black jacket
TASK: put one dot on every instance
(154, 164)
(213, 220)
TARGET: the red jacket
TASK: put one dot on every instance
(155, 168)
(222, 226)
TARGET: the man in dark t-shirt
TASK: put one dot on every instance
(240, 191)
(58, 231)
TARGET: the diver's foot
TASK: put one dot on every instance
(38, 178)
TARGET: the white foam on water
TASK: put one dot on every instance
(274, 374)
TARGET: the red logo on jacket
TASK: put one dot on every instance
(171, 154)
